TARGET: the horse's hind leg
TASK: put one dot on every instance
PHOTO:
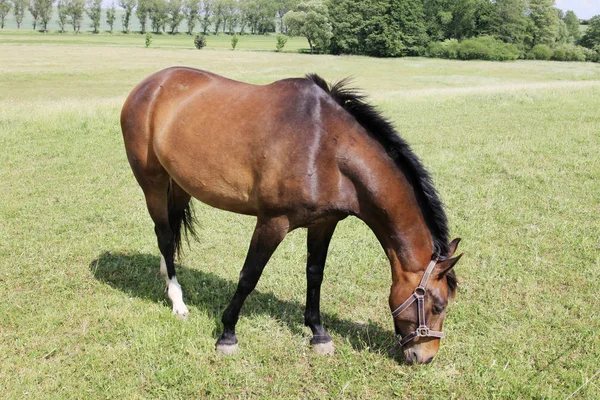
(317, 244)
(168, 205)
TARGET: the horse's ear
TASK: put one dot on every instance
(445, 266)
(452, 247)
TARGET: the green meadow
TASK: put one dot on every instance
(178, 41)
(513, 149)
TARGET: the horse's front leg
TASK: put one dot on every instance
(267, 236)
(317, 243)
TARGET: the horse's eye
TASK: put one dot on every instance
(438, 309)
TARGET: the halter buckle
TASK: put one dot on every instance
(420, 291)
(422, 331)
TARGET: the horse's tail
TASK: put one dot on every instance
(180, 217)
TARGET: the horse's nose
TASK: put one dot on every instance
(412, 357)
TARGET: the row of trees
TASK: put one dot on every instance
(405, 27)
(390, 28)
(69, 12)
(251, 16)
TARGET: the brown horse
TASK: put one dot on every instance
(294, 153)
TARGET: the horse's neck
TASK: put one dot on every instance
(404, 237)
(388, 205)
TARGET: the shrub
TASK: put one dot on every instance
(591, 55)
(446, 49)
(416, 51)
(148, 39)
(597, 51)
(281, 41)
(474, 49)
(200, 41)
(487, 48)
(479, 48)
(568, 52)
(234, 41)
(540, 52)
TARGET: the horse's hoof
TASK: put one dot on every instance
(227, 349)
(181, 312)
(183, 315)
(324, 348)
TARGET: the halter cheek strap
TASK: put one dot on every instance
(419, 296)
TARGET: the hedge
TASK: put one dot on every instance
(479, 48)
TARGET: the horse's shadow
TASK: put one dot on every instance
(137, 275)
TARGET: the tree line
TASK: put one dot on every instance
(382, 28)
(390, 28)
(159, 16)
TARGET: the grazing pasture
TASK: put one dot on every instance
(513, 149)
(179, 41)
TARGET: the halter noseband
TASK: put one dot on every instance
(419, 295)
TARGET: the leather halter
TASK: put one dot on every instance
(419, 296)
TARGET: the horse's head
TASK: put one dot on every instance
(419, 307)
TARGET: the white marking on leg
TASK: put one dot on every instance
(176, 295)
(174, 292)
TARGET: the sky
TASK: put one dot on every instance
(584, 9)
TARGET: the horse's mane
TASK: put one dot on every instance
(383, 131)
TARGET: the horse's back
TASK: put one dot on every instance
(233, 145)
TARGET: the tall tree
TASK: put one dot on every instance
(34, 13)
(572, 23)
(44, 8)
(142, 10)
(462, 24)
(127, 6)
(562, 35)
(230, 13)
(260, 15)
(76, 11)
(63, 14)
(206, 12)
(5, 7)
(233, 16)
(174, 14)
(242, 19)
(158, 15)
(311, 20)
(94, 11)
(544, 29)
(19, 7)
(191, 12)
(512, 20)
(283, 6)
(111, 16)
(487, 18)
(347, 20)
(409, 19)
(591, 37)
(376, 27)
(438, 16)
(379, 36)
(217, 17)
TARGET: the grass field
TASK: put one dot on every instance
(179, 41)
(513, 148)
